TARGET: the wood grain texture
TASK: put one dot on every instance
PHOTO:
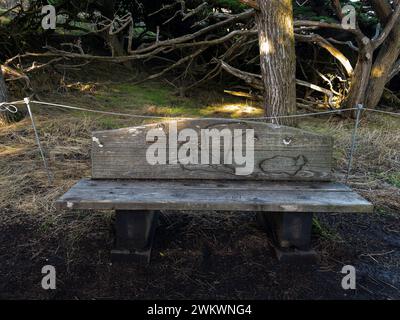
(213, 195)
(280, 153)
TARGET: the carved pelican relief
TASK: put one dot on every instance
(292, 165)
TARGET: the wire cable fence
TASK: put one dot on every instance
(11, 107)
(130, 115)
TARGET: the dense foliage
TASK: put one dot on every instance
(141, 24)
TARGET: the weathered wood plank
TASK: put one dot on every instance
(116, 185)
(280, 153)
(145, 195)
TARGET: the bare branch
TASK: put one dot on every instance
(325, 25)
(330, 48)
(195, 11)
(395, 18)
(350, 44)
(164, 7)
(238, 17)
(255, 81)
(177, 64)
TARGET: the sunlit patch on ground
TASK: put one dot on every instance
(234, 110)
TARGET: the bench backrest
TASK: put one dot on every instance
(211, 149)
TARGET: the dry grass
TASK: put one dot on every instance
(67, 144)
(376, 162)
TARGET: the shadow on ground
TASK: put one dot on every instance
(201, 256)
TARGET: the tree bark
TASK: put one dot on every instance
(361, 75)
(387, 57)
(277, 57)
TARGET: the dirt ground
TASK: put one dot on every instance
(201, 256)
(211, 255)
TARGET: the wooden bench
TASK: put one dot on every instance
(289, 180)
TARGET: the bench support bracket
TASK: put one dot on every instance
(291, 235)
(134, 234)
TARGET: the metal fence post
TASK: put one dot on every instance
(49, 176)
(360, 108)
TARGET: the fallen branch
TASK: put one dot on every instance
(322, 42)
(195, 11)
(177, 64)
(255, 81)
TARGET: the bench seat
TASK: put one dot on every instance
(261, 196)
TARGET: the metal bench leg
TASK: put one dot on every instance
(291, 235)
(134, 234)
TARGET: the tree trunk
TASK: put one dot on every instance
(361, 75)
(4, 115)
(115, 42)
(370, 78)
(278, 57)
(383, 65)
(385, 60)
